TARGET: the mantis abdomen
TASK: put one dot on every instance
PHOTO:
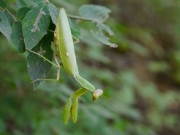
(64, 44)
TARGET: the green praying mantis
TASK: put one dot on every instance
(65, 51)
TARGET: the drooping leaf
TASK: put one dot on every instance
(94, 12)
(3, 4)
(38, 68)
(17, 37)
(35, 25)
(5, 26)
(37, 1)
(21, 13)
(20, 3)
(106, 28)
(9, 17)
(54, 12)
(24, 3)
(98, 14)
(102, 38)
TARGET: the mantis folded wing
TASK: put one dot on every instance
(65, 49)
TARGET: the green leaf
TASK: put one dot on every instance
(5, 26)
(54, 12)
(9, 17)
(20, 3)
(102, 38)
(37, 1)
(3, 4)
(17, 37)
(27, 3)
(21, 13)
(106, 28)
(94, 12)
(38, 68)
(10, 0)
(35, 25)
(74, 28)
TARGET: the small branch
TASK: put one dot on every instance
(12, 15)
(50, 30)
(82, 18)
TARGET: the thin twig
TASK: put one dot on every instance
(82, 18)
(12, 15)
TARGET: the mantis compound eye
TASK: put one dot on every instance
(97, 93)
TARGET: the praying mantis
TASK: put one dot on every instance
(65, 51)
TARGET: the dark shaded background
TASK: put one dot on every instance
(141, 78)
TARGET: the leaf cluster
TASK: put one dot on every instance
(32, 29)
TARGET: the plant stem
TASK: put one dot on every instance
(82, 18)
(50, 30)
(12, 15)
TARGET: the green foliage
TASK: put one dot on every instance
(3, 4)
(21, 13)
(54, 12)
(37, 67)
(35, 25)
(141, 77)
(17, 37)
(5, 24)
(97, 13)
(103, 39)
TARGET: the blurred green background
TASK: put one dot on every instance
(140, 79)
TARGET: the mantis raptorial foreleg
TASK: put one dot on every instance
(66, 111)
(73, 102)
(96, 94)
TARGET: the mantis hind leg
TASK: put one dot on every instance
(57, 65)
(77, 40)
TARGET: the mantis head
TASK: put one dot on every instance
(96, 94)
